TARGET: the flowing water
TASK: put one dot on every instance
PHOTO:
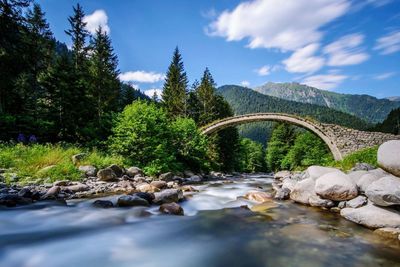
(215, 231)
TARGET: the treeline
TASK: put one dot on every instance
(391, 124)
(49, 92)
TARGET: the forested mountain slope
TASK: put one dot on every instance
(366, 107)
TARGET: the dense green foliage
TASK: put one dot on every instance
(49, 91)
(308, 149)
(391, 124)
(251, 157)
(367, 107)
(368, 155)
(145, 137)
(48, 163)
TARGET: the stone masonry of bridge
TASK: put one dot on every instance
(340, 140)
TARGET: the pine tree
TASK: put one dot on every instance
(175, 87)
(206, 95)
(104, 72)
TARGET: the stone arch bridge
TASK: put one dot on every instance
(340, 140)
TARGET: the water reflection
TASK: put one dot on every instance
(217, 231)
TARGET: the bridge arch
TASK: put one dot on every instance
(308, 124)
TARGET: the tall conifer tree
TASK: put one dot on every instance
(174, 95)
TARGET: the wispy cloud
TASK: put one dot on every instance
(325, 81)
(346, 51)
(150, 92)
(245, 83)
(304, 61)
(264, 70)
(389, 43)
(141, 76)
(384, 76)
(96, 19)
(271, 24)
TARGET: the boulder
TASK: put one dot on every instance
(88, 170)
(78, 187)
(62, 183)
(148, 196)
(258, 196)
(171, 208)
(133, 171)
(389, 157)
(168, 196)
(131, 201)
(106, 175)
(104, 204)
(188, 173)
(187, 188)
(316, 201)
(315, 172)
(78, 157)
(282, 194)
(12, 200)
(366, 180)
(282, 174)
(147, 188)
(303, 190)
(168, 176)
(389, 233)
(25, 192)
(193, 179)
(159, 184)
(356, 202)
(372, 216)
(385, 191)
(362, 167)
(288, 184)
(119, 171)
(336, 186)
(52, 193)
(356, 175)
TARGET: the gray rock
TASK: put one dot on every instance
(78, 157)
(133, 171)
(168, 196)
(372, 216)
(356, 202)
(12, 200)
(159, 184)
(366, 180)
(119, 171)
(342, 204)
(389, 157)
(282, 174)
(194, 179)
(188, 173)
(62, 183)
(145, 187)
(315, 172)
(282, 194)
(288, 184)
(356, 175)
(104, 204)
(385, 191)
(131, 201)
(362, 167)
(316, 201)
(148, 196)
(168, 176)
(52, 193)
(106, 175)
(303, 190)
(78, 187)
(336, 186)
(88, 170)
(171, 208)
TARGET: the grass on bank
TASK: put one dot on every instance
(367, 155)
(48, 163)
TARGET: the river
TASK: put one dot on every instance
(215, 231)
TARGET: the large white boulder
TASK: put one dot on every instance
(303, 190)
(385, 191)
(336, 186)
(372, 216)
(356, 175)
(315, 172)
(389, 157)
(366, 180)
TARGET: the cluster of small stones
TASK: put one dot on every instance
(365, 195)
(135, 189)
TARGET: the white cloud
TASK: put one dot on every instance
(150, 92)
(264, 70)
(346, 51)
(384, 76)
(304, 61)
(325, 81)
(141, 76)
(245, 83)
(389, 43)
(96, 19)
(285, 25)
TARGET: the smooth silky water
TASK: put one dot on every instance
(217, 230)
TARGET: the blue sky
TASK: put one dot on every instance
(338, 45)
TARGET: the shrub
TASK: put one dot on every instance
(367, 155)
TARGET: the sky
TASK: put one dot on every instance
(345, 46)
